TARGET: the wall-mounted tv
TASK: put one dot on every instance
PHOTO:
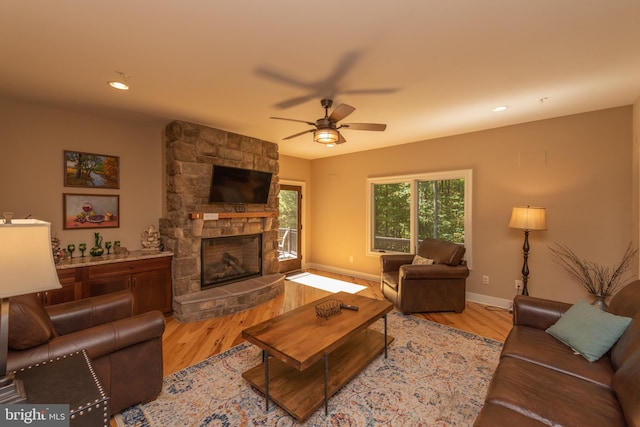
(235, 185)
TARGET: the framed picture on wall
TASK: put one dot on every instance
(82, 211)
(91, 170)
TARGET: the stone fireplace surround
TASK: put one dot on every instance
(191, 150)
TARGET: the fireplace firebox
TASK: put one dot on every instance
(230, 259)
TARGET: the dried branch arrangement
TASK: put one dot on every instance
(596, 279)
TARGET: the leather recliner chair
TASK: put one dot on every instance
(125, 350)
(439, 286)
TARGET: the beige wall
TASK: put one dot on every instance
(31, 167)
(579, 167)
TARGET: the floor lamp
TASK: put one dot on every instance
(527, 218)
(26, 266)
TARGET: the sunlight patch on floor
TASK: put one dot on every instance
(325, 283)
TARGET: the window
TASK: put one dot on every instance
(404, 210)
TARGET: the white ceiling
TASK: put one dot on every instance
(427, 68)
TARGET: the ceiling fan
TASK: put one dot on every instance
(326, 128)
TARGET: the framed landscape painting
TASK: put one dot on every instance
(82, 211)
(91, 170)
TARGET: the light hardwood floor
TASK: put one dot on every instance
(187, 343)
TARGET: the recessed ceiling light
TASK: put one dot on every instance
(120, 84)
(499, 108)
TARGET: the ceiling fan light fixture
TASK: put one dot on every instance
(326, 128)
(326, 136)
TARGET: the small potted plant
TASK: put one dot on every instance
(598, 280)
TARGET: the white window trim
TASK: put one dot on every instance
(467, 174)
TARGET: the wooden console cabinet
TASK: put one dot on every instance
(148, 278)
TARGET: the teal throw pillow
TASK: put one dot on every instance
(589, 330)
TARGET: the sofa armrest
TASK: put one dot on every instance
(537, 312)
(98, 341)
(393, 262)
(433, 271)
(89, 312)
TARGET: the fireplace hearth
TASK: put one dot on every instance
(230, 259)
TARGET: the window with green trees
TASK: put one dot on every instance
(404, 210)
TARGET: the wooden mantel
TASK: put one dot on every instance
(224, 215)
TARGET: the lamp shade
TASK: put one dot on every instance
(528, 218)
(326, 136)
(26, 258)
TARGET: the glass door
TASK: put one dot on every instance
(289, 233)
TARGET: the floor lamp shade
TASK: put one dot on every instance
(528, 218)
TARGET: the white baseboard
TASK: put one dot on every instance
(471, 296)
(352, 273)
(489, 300)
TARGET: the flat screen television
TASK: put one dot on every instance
(236, 185)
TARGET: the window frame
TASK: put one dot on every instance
(412, 179)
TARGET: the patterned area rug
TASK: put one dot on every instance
(434, 376)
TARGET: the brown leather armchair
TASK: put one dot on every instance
(440, 286)
(126, 350)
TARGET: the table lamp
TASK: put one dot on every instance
(527, 218)
(26, 266)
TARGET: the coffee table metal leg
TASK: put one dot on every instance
(265, 359)
(385, 335)
(326, 384)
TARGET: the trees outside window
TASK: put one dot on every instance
(392, 217)
(288, 209)
(441, 210)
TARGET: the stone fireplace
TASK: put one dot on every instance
(191, 152)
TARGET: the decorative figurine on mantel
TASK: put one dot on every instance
(151, 240)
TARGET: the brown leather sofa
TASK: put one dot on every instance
(126, 350)
(440, 286)
(541, 381)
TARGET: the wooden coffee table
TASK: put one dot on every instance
(307, 359)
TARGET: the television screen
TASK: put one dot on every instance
(235, 185)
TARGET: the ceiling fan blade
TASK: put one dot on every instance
(294, 101)
(294, 120)
(381, 91)
(298, 134)
(364, 126)
(341, 111)
(274, 75)
(341, 139)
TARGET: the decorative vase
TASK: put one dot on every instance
(599, 301)
(97, 250)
